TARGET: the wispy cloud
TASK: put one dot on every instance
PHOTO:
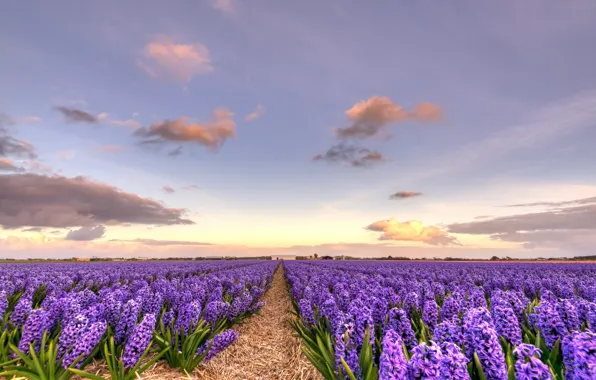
(256, 114)
(168, 189)
(225, 6)
(74, 115)
(126, 123)
(404, 195)
(30, 119)
(8, 165)
(163, 58)
(155, 242)
(110, 148)
(353, 155)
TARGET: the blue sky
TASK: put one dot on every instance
(514, 82)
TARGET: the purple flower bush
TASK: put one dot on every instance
(82, 311)
(446, 320)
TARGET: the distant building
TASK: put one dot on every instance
(82, 259)
(326, 257)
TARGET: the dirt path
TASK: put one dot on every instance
(266, 347)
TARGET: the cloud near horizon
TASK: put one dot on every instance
(162, 58)
(212, 133)
(573, 220)
(154, 242)
(33, 200)
(404, 195)
(86, 233)
(8, 165)
(412, 230)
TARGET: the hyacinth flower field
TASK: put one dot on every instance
(351, 319)
(382, 320)
(58, 318)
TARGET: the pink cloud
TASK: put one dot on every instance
(256, 114)
(162, 58)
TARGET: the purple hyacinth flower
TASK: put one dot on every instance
(220, 342)
(127, 321)
(33, 330)
(138, 341)
(399, 321)
(215, 310)
(528, 365)
(448, 331)
(306, 312)
(21, 311)
(550, 324)
(425, 362)
(450, 309)
(71, 332)
(579, 355)
(568, 314)
(430, 313)
(484, 341)
(507, 325)
(3, 303)
(86, 344)
(392, 364)
(454, 364)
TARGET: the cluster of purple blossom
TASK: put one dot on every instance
(452, 320)
(81, 304)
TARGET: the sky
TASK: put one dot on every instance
(236, 127)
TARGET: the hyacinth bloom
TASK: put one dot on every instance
(548, 321)
(307, 312)
(450, 309)
(220, 342)
(138, 341)
(425, 362)
(127, 321)
(484, 342)
(528, 366)
(400, 323)
(33, 330)
(215, 310)
(454, 364)
(21, 311)
(71, 332)
(430, 313)
(579, 355)
(507, 325)
(448, 331)
(393, 360)
(411, 302)
(3, 303)
(568, 314)
(85, 345)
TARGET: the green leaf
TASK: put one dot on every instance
(347, 369)
(86, 375)
(479, 369)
